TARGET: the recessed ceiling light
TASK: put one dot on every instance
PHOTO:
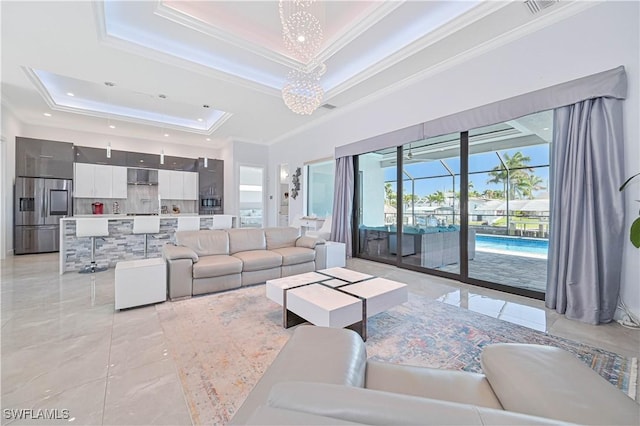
(208, 139)
(166, 135)
(200, 120)
(46, 114)
(142, 161)
(301, 38)
(546, 128)
(70, 94)
(112, 126)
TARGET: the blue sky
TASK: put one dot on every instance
(539, 155)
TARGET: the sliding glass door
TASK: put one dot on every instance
(431, 203)
(472, 205)
(509, 202)
(377, 205)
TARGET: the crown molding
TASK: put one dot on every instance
(551, 17)
(42, 90)
(214, 31)
(152, 54)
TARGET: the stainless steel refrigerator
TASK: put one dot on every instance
(39, 205)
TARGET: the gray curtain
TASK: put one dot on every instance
(587, 211)
(341, 226)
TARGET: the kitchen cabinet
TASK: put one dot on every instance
(44, 158)
(119, 182)
(177, 185)
(190, 186)
(99, 181)
(102, 186)
(83, 180)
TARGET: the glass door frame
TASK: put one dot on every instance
(463, 275)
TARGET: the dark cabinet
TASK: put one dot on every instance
(44, 158)
(84, 154)
(211, 186)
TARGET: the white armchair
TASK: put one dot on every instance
(324, 232)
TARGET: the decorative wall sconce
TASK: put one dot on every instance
(295, 181)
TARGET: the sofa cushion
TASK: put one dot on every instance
(454, 386)
(265, 415)
(295, 255)
(216, 266)
(246, 239)
(256, 260)
(204, 242)
(550, 382)
(373, 407)
(281, 237)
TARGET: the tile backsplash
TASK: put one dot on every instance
(140, 199)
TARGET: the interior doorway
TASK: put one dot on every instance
(251, 196)
(282, 199)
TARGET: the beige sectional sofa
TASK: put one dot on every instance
(322, 376)
(208, 261)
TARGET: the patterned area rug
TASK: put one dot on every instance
(223, 343)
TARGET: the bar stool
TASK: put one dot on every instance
(222, 221)
(188, 223)
(92, 227)
(146, 225)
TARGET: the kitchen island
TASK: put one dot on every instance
(121, 244)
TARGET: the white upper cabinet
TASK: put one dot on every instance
(83, 180)
(102, 185)
(119, 182)
(177, 185)
(99, 181)
(190, 186)
(164, 184)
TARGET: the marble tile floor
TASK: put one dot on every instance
(63, 347)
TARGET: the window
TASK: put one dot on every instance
(320, 178)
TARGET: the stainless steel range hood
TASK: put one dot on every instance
(142, 176)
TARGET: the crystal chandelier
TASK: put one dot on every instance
(302, 34)
(302, 92)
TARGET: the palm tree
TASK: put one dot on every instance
(517, 172)
(390, 195)
(472, 192)
(409, 199)
(493, 194)
(437, 198)
(529, 184)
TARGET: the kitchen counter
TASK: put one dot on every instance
(121, 244)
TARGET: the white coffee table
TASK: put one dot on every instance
(334, 297)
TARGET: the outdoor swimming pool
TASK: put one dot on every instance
(534, 247)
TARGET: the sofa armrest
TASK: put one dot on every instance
(171, 252)
(308, 242)
(385, 408)
(551, 382)
(312, 354)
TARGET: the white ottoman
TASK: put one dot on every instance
(331, 254)
(140, 282)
